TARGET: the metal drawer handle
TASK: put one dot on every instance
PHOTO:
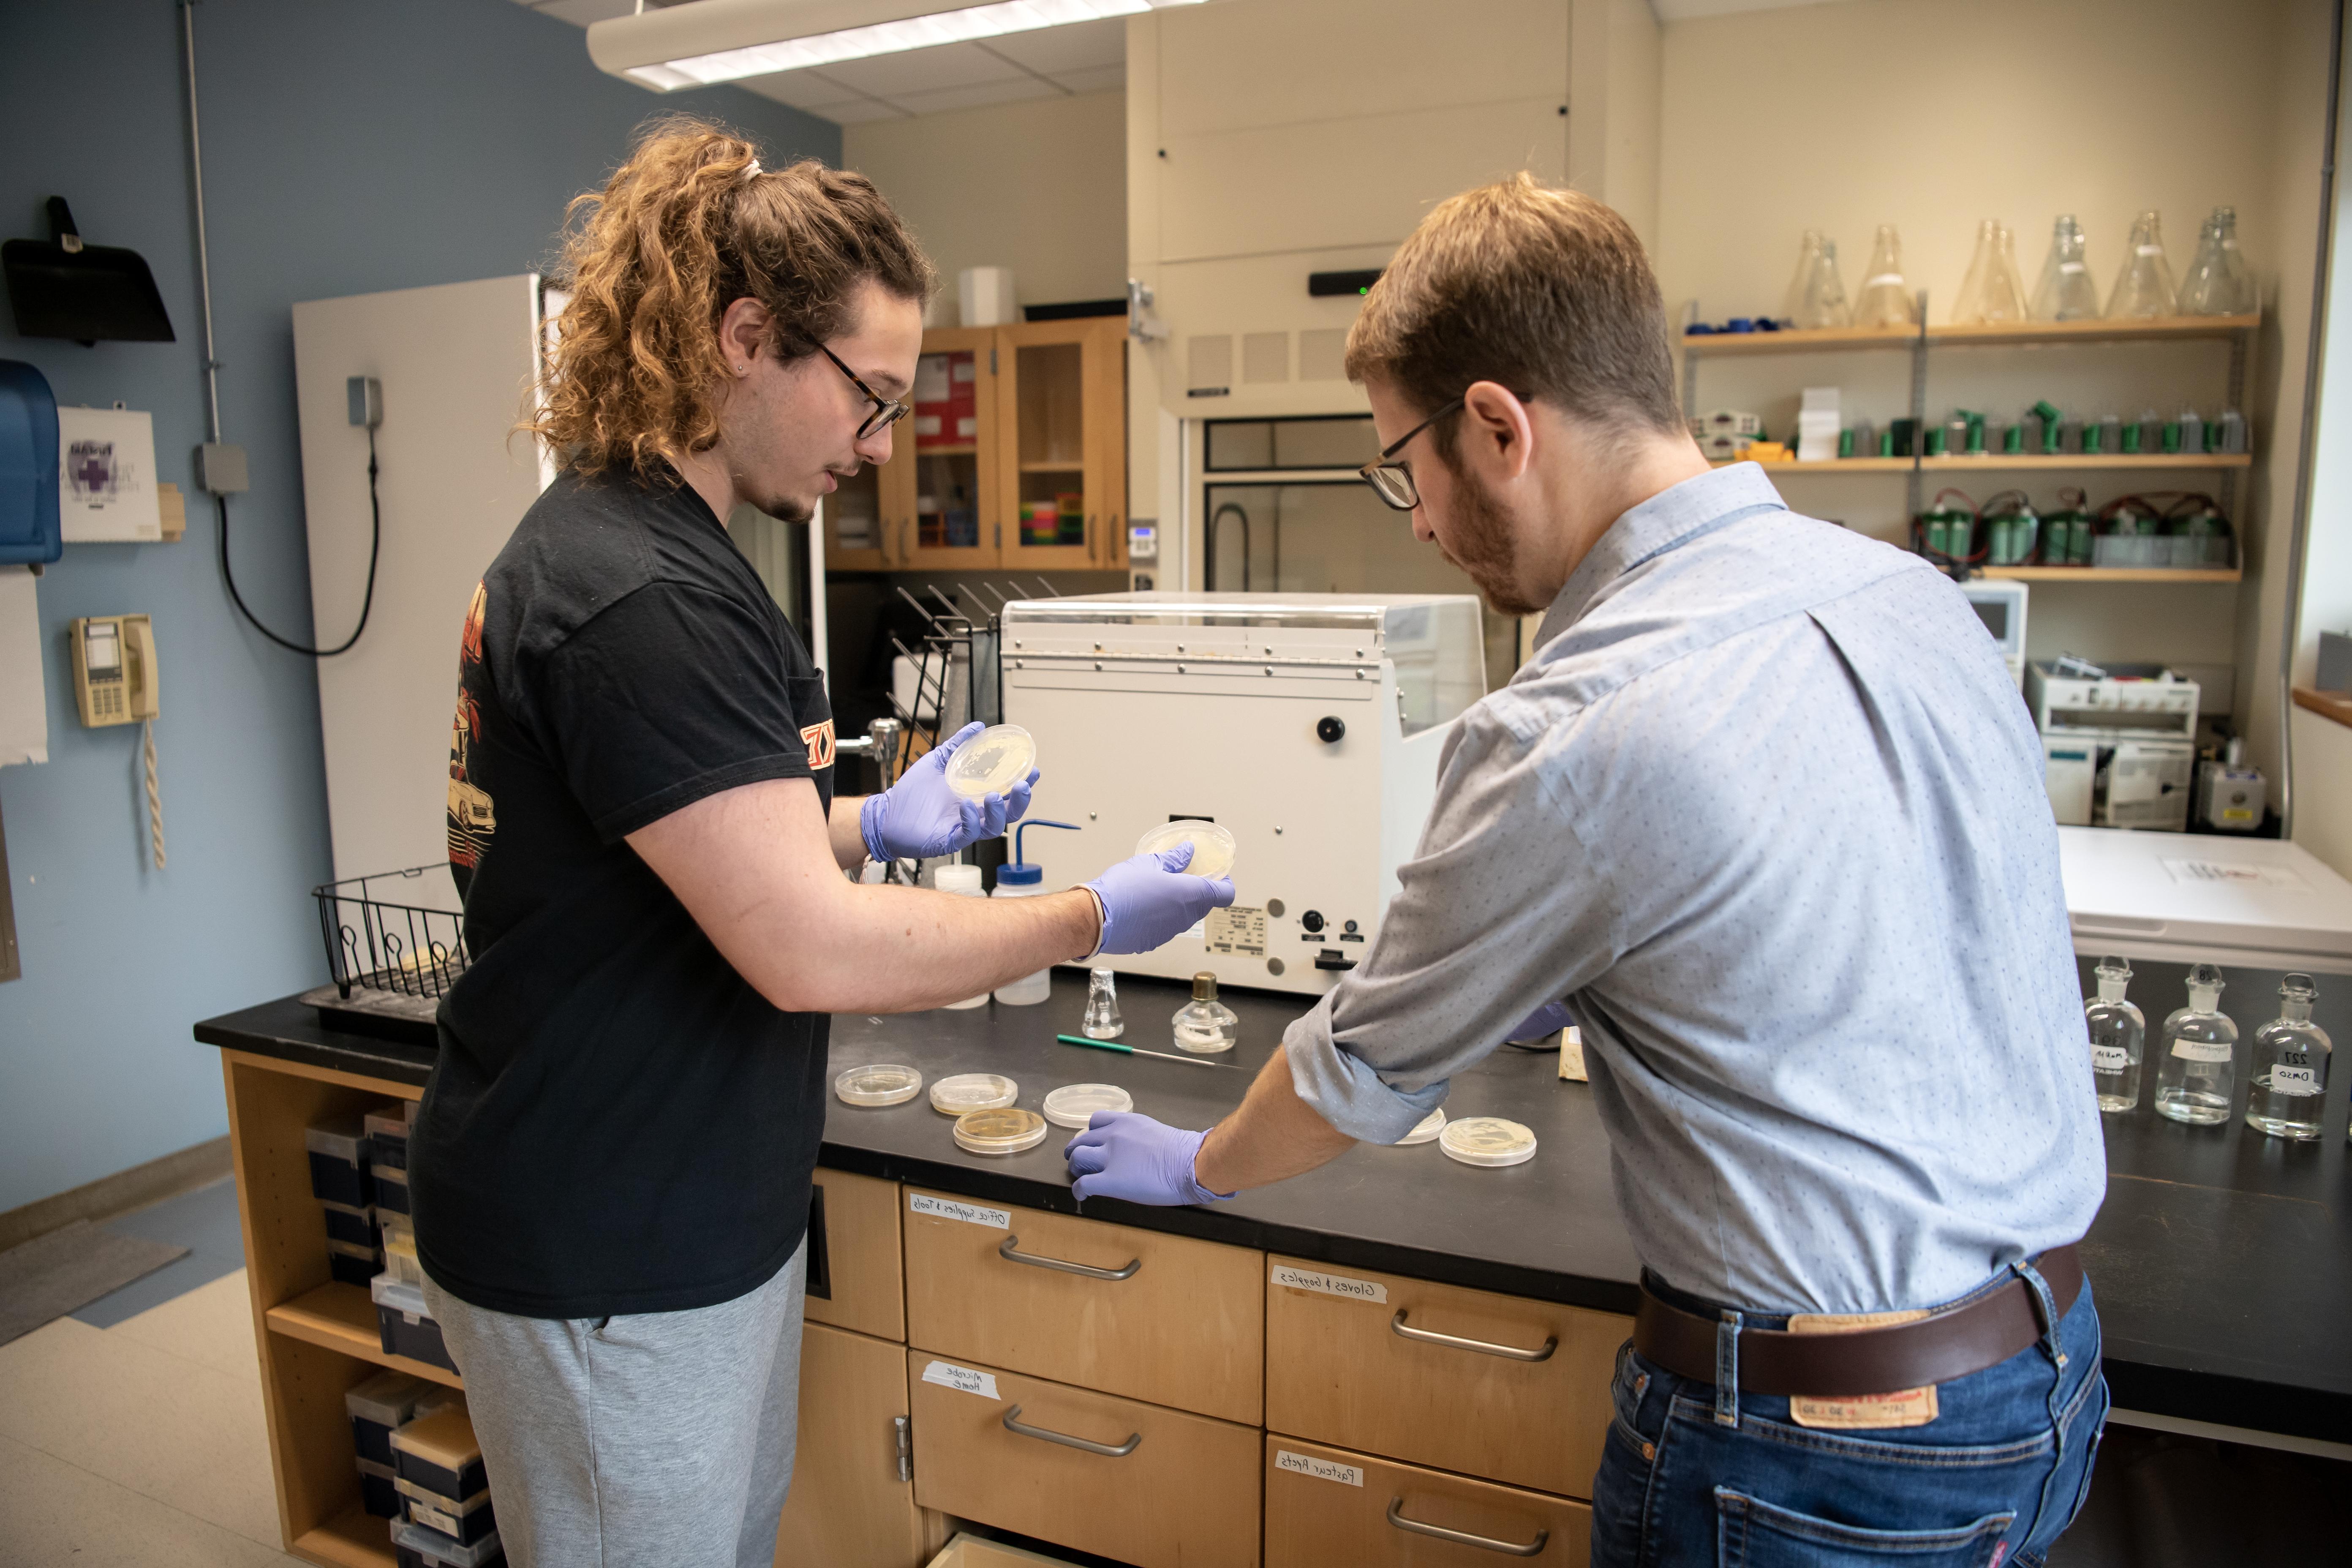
(1005, 1250)
(1509, 1353)
(1463, 1537)
(1013, 1423)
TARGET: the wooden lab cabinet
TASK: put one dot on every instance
(852, 1503)
(1016, 456)
(1327, 1505)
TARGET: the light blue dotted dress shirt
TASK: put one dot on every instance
(1766, 810)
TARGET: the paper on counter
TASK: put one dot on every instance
(24, 710)
(1571, 1055)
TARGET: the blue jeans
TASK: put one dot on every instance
(1990, 1483)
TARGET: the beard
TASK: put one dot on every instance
(1484, 548)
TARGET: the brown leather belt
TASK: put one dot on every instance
(1985, 1332)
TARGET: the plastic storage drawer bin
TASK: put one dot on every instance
(464, 1522)
(378, 1407)
(353, 1265)
(377, 1494)
(387, 1133)
(414, 1546)
(347, 1223)
(339, 1160)
(390, 1185)
(404, 1325)
(438, 1453)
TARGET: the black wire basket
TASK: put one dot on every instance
(386, 933)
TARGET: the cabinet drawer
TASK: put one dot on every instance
(1184, 1494)
(860, 1265)
(1328, 1505)
(1159, 1318)
(1349, 1368)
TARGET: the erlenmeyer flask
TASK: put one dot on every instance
(2216, 283)
(2005, 300)
(1824, 304)
(2248, 296)
(2143, 286)
(1885, 299)
(2065, 292)
(1969, 305)
(1794, 300)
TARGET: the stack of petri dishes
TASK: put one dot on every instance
(1487, 1140)
(883, 1083)
(999, 1131)
(1075, 1104)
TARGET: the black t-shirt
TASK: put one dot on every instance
(618, 1121)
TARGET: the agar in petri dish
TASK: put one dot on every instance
(992, 761)
(973, 1091)
(1487, 1140)
(1212, 845)
(882, 1083)
(999, 1131)
(1075, 1104)
(1427, 1129)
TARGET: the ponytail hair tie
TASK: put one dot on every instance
(752, 172)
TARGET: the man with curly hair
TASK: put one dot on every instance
(611, 1166)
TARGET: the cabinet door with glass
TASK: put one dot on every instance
(857, 530)
(944, 499)
(1061, 395)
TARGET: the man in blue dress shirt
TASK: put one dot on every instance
(1763, 814)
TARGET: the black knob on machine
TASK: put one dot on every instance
(1330, 728)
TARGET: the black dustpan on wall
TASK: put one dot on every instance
(60, 288)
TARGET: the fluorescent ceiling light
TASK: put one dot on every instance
(726, 40)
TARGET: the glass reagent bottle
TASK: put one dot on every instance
(1204, 1025)
(2290, 1066)
(2119, 1034)
(2201, 1046)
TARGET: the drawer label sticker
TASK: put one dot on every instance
(963, 1378)
(948, 1208)
(1298, 1278)
(1321, 1470)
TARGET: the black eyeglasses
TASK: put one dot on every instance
(1392, 482)
(887, 411)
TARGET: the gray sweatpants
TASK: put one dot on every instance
(666, 1437)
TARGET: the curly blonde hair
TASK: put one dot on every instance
(687, 226)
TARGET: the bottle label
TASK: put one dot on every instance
(2109, 1058)
(2202, 1051)
(2072, 267)
(2295, 1081)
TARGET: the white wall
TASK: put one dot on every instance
(1039, 186)
(1841, 117)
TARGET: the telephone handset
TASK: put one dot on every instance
(117, 681)
(115, 674)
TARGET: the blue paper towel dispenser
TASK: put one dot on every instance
(29, 529)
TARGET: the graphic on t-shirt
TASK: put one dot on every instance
(472, 819)
(818, 739)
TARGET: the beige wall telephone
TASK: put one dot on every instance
(116, 681)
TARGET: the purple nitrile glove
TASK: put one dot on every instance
(1549, 1019)
(1122, 1154)
(1148, 898)
(919, 817)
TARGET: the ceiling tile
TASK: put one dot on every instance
(806, 90)
(1096, 78)
(934, 69)
(580, 13)
(1078, 46)
(975, 96)
(858, 112)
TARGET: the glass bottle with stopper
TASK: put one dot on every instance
(1204, 1025)
(2200, 1047)
(1886, 301)
(2119, 1034)
(2290, 1066)
(2065, 292)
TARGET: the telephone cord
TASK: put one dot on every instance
(154, 792)
(367, 604)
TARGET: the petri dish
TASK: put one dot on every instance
(1212, 845)
(993, 760)
(883, 1083)
(1487, 1140)
(973, 1091)
(1427, 1129)
(1075, 1104)
(999, 1131)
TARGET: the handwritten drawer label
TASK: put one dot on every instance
(948, 1208)
(962, 1378)
(1321, 1470)
(1329, 1284)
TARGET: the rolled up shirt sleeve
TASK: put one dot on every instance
(1502, 908)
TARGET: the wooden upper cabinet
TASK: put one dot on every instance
(1063, 386)
(942, 483)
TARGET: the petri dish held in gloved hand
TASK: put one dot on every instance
(1487, 1140)
(1075, 1104)
(973, 1091)
(999, 1131)
(883, 1083)
(1212, 845)
(992, 761)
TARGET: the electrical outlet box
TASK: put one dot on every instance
(220, 468)
(366, 395)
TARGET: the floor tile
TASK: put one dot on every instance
(59, 1513)
(162, 1426)
(205, 1222)
(211, 1325)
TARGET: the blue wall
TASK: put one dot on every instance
(348, 147)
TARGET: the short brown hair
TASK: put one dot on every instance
(685, 228)
(1544, 290)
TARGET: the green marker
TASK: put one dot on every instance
(1139, 1051)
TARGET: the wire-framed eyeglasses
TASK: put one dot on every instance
(887, 411)
(1392, 481)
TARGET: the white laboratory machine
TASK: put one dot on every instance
(1999, 604)
(2262, 903)
(2118, 744)
(1308, 724)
